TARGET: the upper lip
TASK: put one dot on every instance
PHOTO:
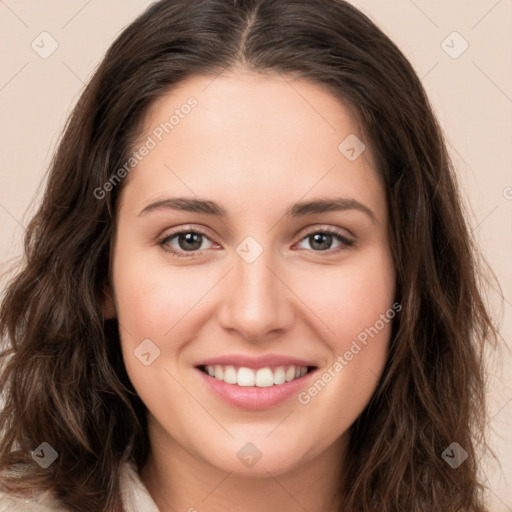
(255, 361)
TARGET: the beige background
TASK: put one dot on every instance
(471, 92)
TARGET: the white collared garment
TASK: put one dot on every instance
(136, 497)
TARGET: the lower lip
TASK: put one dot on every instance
(253, 397)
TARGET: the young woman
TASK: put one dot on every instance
(250, 284)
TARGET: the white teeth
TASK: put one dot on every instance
(229, 375)
(262, 377)
(218, 371)
(245, 377)
(290, 373)
(279, 376)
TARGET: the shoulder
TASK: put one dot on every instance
(29, 500)
(136, 497)
(45, 502)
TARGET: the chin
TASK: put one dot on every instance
(256, 458)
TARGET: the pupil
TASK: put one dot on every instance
(320, 236)
(190, 238)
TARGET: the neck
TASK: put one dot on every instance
(180, 481)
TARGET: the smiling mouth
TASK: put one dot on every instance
(261, 377)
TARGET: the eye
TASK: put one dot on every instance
(187, 241)
(321, 240)
(191, 241)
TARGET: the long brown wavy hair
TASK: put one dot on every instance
(62, 376)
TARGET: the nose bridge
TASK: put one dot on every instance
(257, 303)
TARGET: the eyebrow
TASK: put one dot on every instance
(299, 209)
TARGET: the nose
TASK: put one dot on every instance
(258, 303)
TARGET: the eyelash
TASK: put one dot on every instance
(346, 243)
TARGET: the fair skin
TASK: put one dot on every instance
(255, 145)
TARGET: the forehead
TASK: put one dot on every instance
(246, 105)
(251, 137)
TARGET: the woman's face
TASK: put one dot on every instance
(282, 263)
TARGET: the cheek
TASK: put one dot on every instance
(155, 302)
(352, 296)
(152, 298)
(152, 304)
(355, 306)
